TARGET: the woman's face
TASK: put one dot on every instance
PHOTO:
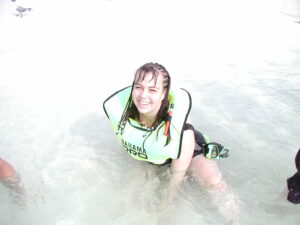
(148, 94)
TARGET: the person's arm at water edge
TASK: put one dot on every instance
(180, 166)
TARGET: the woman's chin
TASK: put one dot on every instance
(143, 109)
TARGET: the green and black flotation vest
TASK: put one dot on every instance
(150, 144)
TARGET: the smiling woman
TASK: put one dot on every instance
(149, 95)
(152, 121)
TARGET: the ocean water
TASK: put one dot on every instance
(240, 60)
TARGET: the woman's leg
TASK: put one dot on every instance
(207, 173)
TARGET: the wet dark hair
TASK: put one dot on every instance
(130, 109)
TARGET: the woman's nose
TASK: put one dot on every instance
(144, 93)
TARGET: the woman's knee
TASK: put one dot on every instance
(212, 180)
(208, 172)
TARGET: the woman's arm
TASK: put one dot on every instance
(179, 166)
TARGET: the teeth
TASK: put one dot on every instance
(144, 103)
